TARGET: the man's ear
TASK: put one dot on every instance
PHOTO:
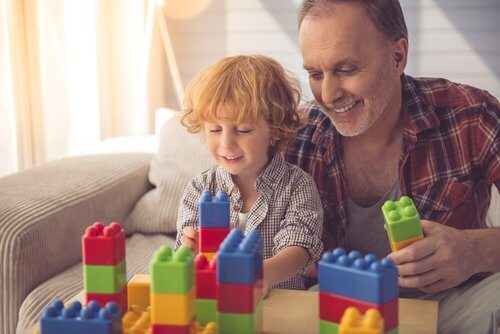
(400, 55)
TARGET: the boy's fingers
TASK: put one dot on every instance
(190, 232)
(189, 243)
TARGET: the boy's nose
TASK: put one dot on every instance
(227, 140)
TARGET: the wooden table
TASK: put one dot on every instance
(291, 311)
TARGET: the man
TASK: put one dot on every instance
(375, 134)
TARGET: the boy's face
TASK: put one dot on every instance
(241, 149)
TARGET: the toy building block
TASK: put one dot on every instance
(332, 308)
(402, 222)
(172, 329)
(172, 309)
(241, 323)
(239, 260)
(206, 310)
(206, 273)
(104, 279)
(103, 298)
(353, 323)
(209, 256)
(211, 238)
(172, 273)
(138, 291)
(326, 327)
(57, 319)
(136, 321)
(209, 328)
(214, 214)
(249, 295)
(353, 276)
(103, 245)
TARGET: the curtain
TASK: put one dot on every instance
(73, 73)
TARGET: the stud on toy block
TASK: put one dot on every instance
(353, 276)
(74, 319)
(402, 222)
(103, 245)
(353, 323)
(239, 260)
(172, 273)
(214, 214)
(136, 321)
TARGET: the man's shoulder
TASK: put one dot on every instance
(442, 93)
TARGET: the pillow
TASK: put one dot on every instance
(181, 156)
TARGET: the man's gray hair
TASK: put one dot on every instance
(387, 15)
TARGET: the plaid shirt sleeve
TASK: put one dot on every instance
(188, 209)
(488, 139)
(303, 222)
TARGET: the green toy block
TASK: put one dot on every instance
(206, 311)
(327, 327)
(104, 279)
(394, 331)
(172, 273)
(230, 323)
(402, 219)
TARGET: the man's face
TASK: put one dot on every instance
(350, 69)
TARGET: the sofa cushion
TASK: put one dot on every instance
(181, 156)
(139, 248)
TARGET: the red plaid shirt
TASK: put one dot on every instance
(451, 155)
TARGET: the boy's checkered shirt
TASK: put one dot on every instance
(287, 212)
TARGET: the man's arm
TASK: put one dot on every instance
(447, 256)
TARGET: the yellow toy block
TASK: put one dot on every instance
(210, 328)
(173, 309)
(136, 321)
(353, 323)
(402, 244)
(209, 256)
(138, 291)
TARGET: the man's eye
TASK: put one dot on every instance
(347, 70)
(315, 75)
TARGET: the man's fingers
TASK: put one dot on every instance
(418, 267)
(419, 281)
(414, 252)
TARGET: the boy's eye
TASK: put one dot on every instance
(214, 130)
(244, 130)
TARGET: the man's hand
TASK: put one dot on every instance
(443, 259)
(189, 238)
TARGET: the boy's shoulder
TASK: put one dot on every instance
(211, 179)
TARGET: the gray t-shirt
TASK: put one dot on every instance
(366, 233)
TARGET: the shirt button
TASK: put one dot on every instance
(447, 201)
(235, 208)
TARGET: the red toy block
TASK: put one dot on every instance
(173, 329)
(103, 298)
(238, 298)
(103, 245)
(332, 307)
(211, 238)
(206, 273)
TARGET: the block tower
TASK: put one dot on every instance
(347, 280)
(104, 268)
(206, 293)
(76, 320)
(239, 283)
(213, 222)
(402, 222)
(172, 291)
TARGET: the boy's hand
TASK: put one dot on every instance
(189, 238)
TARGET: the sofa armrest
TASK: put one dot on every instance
(44, 212)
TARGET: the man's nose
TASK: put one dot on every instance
(331, 89)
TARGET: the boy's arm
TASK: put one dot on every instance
(188, 210)
(287, 263)
(300, 230)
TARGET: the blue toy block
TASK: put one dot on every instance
(353, 276)
(239, 260)
(214, 213)
(74, 319)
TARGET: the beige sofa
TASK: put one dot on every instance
(45, 210)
